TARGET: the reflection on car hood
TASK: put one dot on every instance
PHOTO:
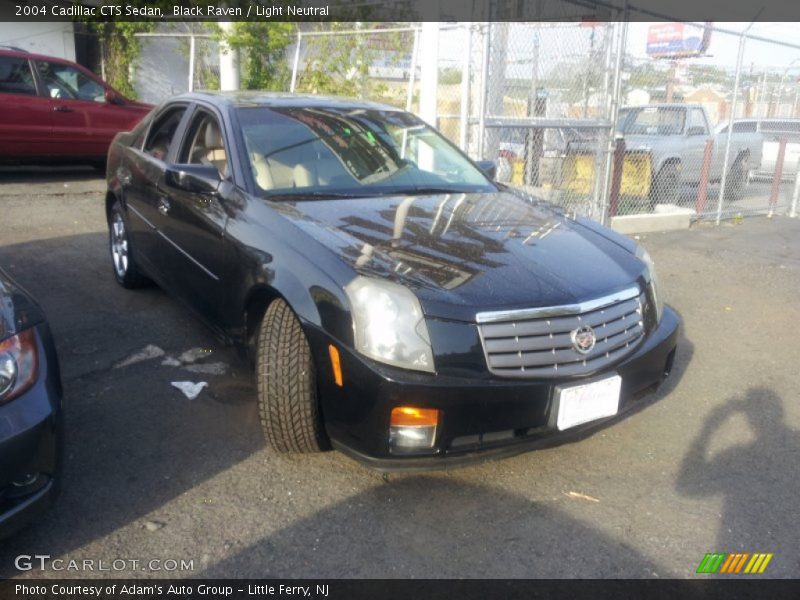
(18, 311)
(465, 253)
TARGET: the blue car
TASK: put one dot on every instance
(30, 409)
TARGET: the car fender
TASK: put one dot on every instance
(273, 267)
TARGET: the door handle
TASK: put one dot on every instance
(163, 205)
(62, 108)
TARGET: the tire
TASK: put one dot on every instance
(287, 384)
(126, 271)
(736, 181)
(665, 184)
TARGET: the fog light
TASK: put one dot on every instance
(28, 484)
(26, 480)
(413, 428)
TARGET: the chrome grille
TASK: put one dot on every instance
(538, 342)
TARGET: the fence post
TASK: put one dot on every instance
(796, 193)
(296, 62)
(191, 63)
(413, 75)
(465, 72)
(487, 31)
(616, 176)
(622, 40)
(724, 176)
(702, 190)
(777, 176)
(429, 74)
(597, 192)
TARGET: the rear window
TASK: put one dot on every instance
(741, 127)
(16, 76)
(781, 126)
(652, 120)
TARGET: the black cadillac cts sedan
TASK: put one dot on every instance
(399, 305)
(30, 409)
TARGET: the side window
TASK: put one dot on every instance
(16, 76)
(204, 145)
(68, 83)
(744, 127)
(698, 119)
(162, 132)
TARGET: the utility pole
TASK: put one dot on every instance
(228, 61)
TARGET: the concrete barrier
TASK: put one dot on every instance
(667, 217)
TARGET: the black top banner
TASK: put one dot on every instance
(400, 10)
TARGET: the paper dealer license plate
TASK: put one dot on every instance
(578, 404)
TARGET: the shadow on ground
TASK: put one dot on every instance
(430, 527)
(750, 478)
(38, 174)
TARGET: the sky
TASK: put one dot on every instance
(724, 47)
(556, 44)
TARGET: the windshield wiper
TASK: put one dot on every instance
(434, 190)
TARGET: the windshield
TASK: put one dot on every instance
(652, 120)
(351, 151)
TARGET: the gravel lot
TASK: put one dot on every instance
(711, 465)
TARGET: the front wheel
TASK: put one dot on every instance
(287, 384)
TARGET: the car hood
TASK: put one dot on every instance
(18, 310)
(466, 253)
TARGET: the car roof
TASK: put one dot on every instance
(20, 53)
(663, 105)
(252, 99)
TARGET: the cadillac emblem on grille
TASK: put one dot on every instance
(583, 339)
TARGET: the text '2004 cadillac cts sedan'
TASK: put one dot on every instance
(399, 304)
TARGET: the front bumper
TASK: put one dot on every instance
(483, 418)
(30, 441)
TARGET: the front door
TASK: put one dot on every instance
(194, 226)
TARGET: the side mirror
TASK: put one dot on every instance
(195, 179)
(697, 130)
(112, 97)
(489, 168)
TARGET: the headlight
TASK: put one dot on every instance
(389, 325)
(18, 365)
(652, 283)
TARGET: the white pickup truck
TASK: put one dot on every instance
(674, 136)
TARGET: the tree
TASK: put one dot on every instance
(339, 64)
(262, 47)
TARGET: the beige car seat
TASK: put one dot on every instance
(213, 152)
(295, 170)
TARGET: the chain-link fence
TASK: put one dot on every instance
(371, 63)
(604, 119)
(175, 62)
(546, 115)
(719, 129)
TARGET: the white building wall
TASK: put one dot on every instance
(53, 39)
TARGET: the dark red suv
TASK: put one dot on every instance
(53, 110)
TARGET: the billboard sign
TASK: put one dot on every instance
(677, 40)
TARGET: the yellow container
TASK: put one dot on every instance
(577, 174)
